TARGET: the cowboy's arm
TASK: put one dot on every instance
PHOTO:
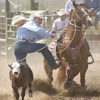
(44, 33)
(54, 27)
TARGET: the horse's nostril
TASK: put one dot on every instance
(15, 73)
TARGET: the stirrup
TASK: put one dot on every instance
(90, 55)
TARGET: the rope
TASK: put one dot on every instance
(69, 42)
(14, 4)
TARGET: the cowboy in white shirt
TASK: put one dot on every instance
(62, 22)
(59, 26)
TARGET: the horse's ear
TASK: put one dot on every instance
(74, 4)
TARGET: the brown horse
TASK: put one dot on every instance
(73, 47)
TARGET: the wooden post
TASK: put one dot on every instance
(34, 5)
(7, 6)
(7, 10)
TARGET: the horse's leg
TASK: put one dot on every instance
(61, 74)
(72, 72)
(48, 72)
(82, 74)
(68, 82)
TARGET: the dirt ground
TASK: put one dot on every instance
(41, 91)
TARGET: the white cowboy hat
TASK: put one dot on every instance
(38, 15)
(17, 18)
(79, 1)
(62, 12)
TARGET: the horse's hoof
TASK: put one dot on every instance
(68, 84)
(30, 95)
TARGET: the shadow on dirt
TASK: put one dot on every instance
(43, 86)
(78, 90)
(75, 90)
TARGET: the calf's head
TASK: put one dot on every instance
(16, 69)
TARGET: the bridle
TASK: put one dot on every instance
(75, 29)
(82, 19)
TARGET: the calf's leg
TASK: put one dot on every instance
(15, 91)
(30, 89)
(23, 92)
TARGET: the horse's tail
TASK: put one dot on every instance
(91, 59)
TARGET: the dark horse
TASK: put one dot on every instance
(73, 47)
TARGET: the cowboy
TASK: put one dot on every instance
(61, 23)
(18, 20)
(27, 35)
(59, 27)
(94, 9)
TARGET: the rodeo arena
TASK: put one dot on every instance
(50, 53)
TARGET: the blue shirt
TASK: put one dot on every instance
(93, 4)
(31, 31)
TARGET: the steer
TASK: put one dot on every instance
(21, 75)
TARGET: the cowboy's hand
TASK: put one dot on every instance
(53, 32)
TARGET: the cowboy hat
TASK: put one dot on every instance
(79, 1)
(17, 18)
(62, 12)
(37, 15)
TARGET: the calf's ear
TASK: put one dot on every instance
(22, 65)
(10, 66)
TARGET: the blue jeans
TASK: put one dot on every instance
(21, 50)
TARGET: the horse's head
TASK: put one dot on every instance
(80, 15)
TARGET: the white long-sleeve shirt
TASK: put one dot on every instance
(59, 25)
(69, 5)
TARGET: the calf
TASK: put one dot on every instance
(21, 75)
